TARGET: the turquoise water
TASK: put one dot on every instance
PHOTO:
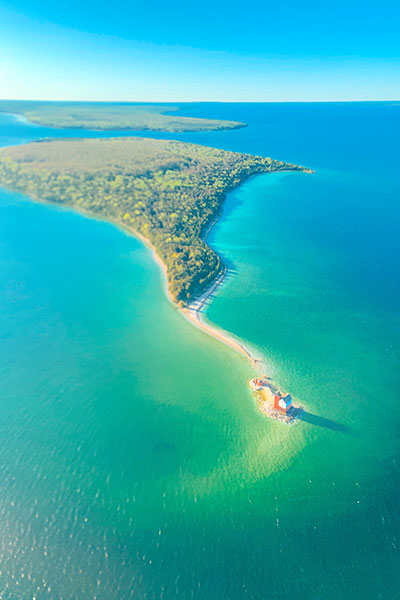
(133, 460)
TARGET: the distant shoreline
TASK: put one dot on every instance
(179, 124)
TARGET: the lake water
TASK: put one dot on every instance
(134, 463)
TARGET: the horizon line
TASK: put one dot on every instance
(197, 101)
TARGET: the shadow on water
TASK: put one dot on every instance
(228, 275)
(322, 422)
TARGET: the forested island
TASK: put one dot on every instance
(167, 191)
(111, 116)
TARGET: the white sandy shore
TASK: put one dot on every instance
(194, 310)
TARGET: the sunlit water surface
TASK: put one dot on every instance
(134, 463)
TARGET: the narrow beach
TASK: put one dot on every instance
(194, 310)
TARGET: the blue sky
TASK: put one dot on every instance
(192, 51)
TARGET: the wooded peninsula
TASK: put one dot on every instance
(168, 191)
(111, 116)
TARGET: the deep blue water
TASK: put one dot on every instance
(134, 462)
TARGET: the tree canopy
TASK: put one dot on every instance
(111, 116)
(168, 191)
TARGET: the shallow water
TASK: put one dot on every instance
(134, 462)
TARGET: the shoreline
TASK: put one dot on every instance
(22, 118)
(193, 311)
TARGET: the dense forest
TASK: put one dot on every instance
(111, 116)
(168, 191)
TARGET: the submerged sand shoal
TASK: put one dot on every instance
(194, 310)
